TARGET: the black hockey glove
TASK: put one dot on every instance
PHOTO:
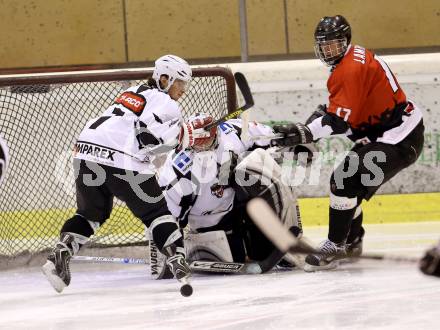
(226, 175)
(294, 134)
(320, 111)
(430, 263)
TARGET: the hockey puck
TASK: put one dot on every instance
(186, 290)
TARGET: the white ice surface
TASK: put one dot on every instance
(363, 295)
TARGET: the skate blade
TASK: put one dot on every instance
(56, 282)
(312, 268)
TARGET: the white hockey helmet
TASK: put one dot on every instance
(172, 66)
(209, 140)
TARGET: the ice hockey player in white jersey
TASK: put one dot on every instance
(4, 158)
(208, 185)
(113, 157)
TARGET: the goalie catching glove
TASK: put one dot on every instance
(293, 134)
(193, 135)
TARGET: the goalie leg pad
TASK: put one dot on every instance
(158, 267)
(209, 246)
(164, 233)
(259, 175)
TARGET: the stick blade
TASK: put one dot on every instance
(269, 223)
(245, 90)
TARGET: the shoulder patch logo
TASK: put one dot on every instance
(132, 101)
(227, 128)
(182, 162)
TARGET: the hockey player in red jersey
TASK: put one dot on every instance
(113, 158)
(367, 104)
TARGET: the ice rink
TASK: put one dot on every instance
(363, 295)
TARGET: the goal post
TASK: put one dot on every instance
(41, 115)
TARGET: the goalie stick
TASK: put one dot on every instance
(271, 226)
(196, 266)
(243, 85)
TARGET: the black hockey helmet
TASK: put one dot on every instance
(332, 37)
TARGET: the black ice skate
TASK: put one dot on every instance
(330, 254)
(56, 267)
(354, 248)
(178, 265)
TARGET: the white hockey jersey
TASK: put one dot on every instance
(191, 179)
(141, 123)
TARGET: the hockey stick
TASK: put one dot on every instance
(265, 137)
(110, 260)
(243, 85)
(271, 226)
(196, 266)
(186, 289)
(226, 267)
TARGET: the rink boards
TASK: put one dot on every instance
(314, 212)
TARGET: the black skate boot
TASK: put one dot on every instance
(56, 267)
(330, 254)
(354, 248)
(177, 263)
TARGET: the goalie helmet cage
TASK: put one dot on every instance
(41, 115)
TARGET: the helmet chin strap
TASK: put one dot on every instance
(165, 90)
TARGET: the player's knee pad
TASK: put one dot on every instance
(79, 225)
(349, 186)
(164, 231)
(208, 246)
(259, 175)
(156, 211)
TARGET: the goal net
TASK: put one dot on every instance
(41, 116)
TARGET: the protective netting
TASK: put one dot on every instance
(40, 124)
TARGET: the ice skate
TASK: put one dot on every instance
(329, 256)
(354, 248)
(56, 267)
(179, 267)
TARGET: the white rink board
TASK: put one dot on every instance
(363, 295)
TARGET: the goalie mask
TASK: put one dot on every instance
(4, 158)
(209, 140)
(332, 37)
(175, 68)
